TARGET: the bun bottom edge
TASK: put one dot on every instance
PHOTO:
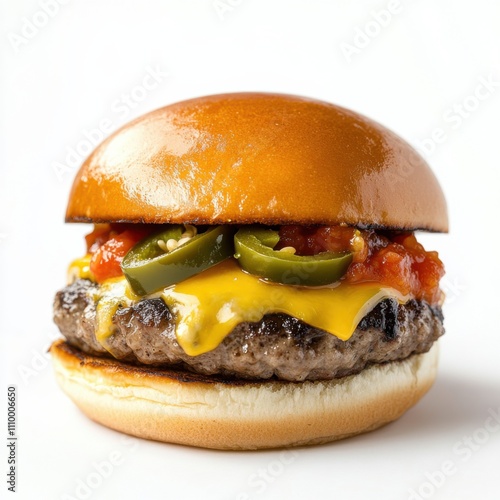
(240, 415)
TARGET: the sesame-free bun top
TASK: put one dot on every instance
(257, 158)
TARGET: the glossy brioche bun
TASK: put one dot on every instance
(257, 158)
(194, 410)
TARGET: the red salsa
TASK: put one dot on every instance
(393, 258)
(108, 244)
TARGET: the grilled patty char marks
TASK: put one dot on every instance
(278, 345)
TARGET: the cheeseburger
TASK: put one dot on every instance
(252, 278)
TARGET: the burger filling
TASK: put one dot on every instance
(256, 302)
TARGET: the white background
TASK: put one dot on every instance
(59, 81)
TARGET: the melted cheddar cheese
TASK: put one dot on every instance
(80, 268)
(207, 307)
(112, 295)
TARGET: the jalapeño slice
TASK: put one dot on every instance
(149, 268)
(255, 254)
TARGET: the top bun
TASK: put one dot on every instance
(257, 158)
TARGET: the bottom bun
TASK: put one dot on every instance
(190, 409)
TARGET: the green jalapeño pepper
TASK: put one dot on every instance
(162, 260)
(255, 254)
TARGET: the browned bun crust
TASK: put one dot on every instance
(200, 411)
(254, 157)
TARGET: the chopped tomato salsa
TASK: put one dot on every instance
(108, 244)
(395, 259)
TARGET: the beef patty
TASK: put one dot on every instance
(276, 346)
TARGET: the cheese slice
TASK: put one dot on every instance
(209, 305)
(80, 268)
(112, 295)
